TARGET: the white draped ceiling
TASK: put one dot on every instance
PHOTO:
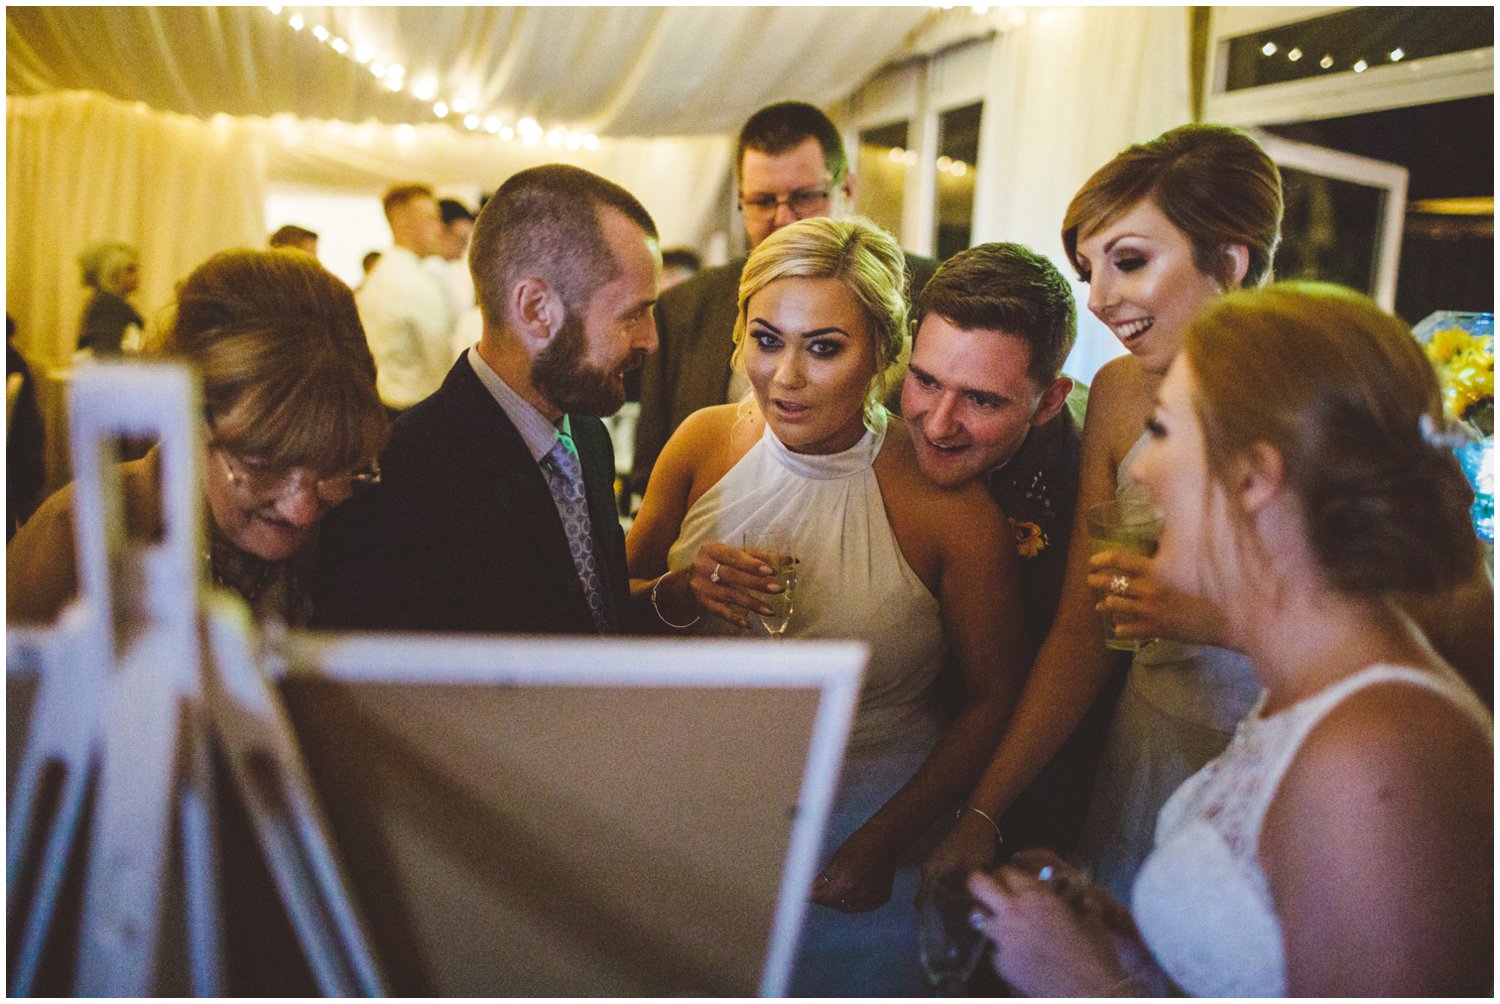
(612, 71)
(165, 126)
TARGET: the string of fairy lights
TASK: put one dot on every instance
(460, 110)
(1295, 54)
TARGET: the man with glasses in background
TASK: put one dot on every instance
(790, 165)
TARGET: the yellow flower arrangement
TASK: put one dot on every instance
(1465, 364)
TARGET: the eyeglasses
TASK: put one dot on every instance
(270, 481)
(803, 203)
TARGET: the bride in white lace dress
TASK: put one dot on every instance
(1343, 843)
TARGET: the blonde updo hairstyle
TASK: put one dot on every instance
(857, 253)
(1339, 388)
(1213, 182)
(285, 370)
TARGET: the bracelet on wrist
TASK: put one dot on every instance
(661, 616)
(999, 840)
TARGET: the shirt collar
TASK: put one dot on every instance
(537, 432)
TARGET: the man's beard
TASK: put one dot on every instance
(562, 376)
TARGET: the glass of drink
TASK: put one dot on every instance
(775, 549)
(949, 946)
(1130, 528)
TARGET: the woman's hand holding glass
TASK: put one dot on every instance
(1058, 935)
(1143, 608)
(731, 582)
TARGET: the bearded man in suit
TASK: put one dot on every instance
(496, 508)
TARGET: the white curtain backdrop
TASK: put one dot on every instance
(81, 167)
(1069, 88)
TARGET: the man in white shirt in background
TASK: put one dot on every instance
(406, 308)
(453, 266)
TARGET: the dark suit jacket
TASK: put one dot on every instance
(690, 368)
(462, 534)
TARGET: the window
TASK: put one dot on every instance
(1276, 64)
(1344, 217)
(1353, 41)
(884, 161)
(958, 153)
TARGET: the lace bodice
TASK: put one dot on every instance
(1201, 899)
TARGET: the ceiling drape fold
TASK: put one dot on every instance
(620, 71)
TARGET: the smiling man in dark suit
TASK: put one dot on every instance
(496, 508)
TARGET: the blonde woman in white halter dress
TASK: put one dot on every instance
(1343, 844)
(925, 576)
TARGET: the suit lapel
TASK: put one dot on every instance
(520, 507)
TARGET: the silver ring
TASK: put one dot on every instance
(977, 918)
(1119, 584)
(1060, 882)
(715, 577)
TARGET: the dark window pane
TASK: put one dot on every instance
(1331, 230)
(958, 155)
(1354, 40)
(883, 160)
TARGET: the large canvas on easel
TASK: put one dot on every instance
(575, 818)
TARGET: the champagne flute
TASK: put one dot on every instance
(774, 548)
(949, 946)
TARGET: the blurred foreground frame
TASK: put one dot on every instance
(197, 808)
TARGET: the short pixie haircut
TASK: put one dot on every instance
(1213, 182)
(101, 264)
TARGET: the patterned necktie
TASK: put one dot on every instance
(565, 478)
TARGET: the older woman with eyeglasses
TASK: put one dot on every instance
(293, 426)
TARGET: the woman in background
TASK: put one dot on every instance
(918, 573)
(293, 427)
(112, 270)
(1343, 844)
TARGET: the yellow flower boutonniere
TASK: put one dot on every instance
(1030, 540)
